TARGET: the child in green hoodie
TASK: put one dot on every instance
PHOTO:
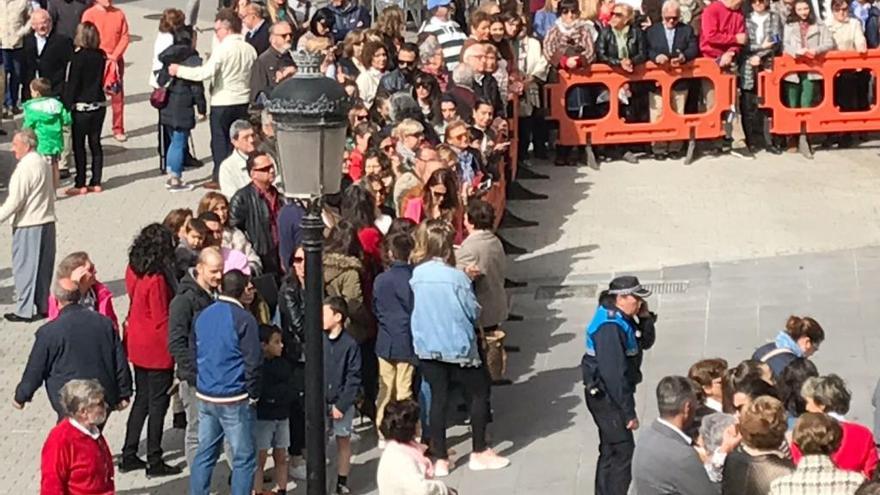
(47, 116)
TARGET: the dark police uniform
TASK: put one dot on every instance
(611, 369)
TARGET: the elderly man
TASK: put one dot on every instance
(229, 72)
(462, 90)
(79, 344)
(113, 31)
(275, 64)
(31, 205)
(254, 210)
(233, 171)
(447, 31)
(46, 53)
(15, 25)
(254, 21)
(665, 460)
(671, 43)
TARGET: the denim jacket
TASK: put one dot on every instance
(444, 315)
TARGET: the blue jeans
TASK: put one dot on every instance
(235, 422)
(177, 152)
(12, 66)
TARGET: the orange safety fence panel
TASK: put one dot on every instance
(825, 117)
(670, 125)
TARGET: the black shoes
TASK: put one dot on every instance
(162, 469)
(131, 464)
(14, 318)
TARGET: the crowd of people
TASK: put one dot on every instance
(414, 276)
(771, 425)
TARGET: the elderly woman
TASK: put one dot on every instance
(431, 58)
(828, 395)
(375, 59)
(758, 460)
(233, 238)
(818, 435)
(75, 457)
(96, 296)
(805, 38)
(714, 442)
(623, 46)
(403, 468)
(445, 312)
(569, 46)
(764, 28)
(850, 87)
(352, 48)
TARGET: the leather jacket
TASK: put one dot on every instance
(606, 46)
(250, 214)
(291, 307)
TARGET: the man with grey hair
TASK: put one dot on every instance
(665, 460)
(275, 64)
(31, 206)
(80, 343)
(233, 173)
(462, 90)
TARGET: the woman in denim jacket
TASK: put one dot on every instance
(444, 316)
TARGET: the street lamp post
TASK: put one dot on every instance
(309, 112)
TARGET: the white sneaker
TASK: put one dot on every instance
(297, 472)
(487, 460)
(441, 469)
(382, 444)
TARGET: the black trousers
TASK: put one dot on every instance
(87, 125)
(151, 401)
(753, 119)
(533, 130)
(222, 116)
(298, 412)
(476, 383)
(616, 445)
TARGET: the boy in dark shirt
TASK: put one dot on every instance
(186, 255)
(273, 430)
(342, 380)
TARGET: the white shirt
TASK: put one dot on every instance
(233, 174)
(713, 404)
(94, 433)
(41, 43)
(674, 428)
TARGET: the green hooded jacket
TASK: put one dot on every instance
(47, 117)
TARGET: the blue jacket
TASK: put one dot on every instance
(542, 23)
(290, 232)
(342, 370)
(444, 314)
(393, 307)
(228, 352)
(348, 17)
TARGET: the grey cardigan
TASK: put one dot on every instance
(818, 39)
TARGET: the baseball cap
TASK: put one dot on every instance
(626, 285)
(433, 4)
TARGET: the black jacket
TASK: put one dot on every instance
(250, 214)
(51, 63)
(85, 78)
(276, 395)
(684, 42)
(342, 370)
(395, 81)
(606, 46)
(191, 298)
(488, 90)
(611, 371)
(263, 75)
(79, 344)
(259, 39)
(178, 114)
(291, 307)
(66, 15)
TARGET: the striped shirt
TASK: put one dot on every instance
(450, 37)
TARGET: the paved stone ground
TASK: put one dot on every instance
(800, 226)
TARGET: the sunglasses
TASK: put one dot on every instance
(438, 194)
(298, 259)
(388, 147)
(617, 14)
(671, 18)
(405, 63)
(567, 11)
(457, 137)
(361, 117)
(842, 9)
(268, 169)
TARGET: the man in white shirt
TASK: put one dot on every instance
(31, 205)
(229, 72)
(233, 171)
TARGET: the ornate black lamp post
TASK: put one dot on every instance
(309, 112)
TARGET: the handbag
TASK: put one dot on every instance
(496, 356)
(159, 97)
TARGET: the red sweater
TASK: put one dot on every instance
(146, 335)
(112, 28)
(74, 463)
(857, 451)
(718, 29)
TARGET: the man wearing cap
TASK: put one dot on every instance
(447, 31)
(620, 330)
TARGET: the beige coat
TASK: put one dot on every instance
(14, 22)
(848, 36)
(483, 249)
(31, 199)
(228, 71)
(818, 39)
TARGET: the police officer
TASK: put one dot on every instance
(621, 329)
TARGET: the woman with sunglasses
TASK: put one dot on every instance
(320, 26)
(850, 87)
(569, 46)
(426, 91)
(440, 200)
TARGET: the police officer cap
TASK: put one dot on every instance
(627, 284)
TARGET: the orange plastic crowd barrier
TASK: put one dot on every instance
(825, 117)
(670, 126)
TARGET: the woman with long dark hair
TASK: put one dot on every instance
(84, 96)
(150, 286)
(359, 208)
(440, 200)
(426, 91)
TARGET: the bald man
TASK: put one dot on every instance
(45, 54)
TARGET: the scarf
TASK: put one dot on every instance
(784, 341)
(569, 30)
(622, 46)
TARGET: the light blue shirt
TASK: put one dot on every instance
(670, 37)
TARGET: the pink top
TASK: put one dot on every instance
(104, 304)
